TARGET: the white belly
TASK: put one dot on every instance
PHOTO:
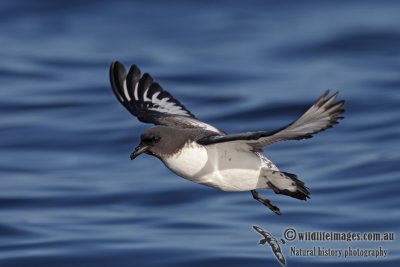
(224, 166)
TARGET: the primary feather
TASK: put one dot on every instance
(323, 114)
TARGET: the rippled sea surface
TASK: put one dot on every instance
(70, 195)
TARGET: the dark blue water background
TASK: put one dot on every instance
(70, 196)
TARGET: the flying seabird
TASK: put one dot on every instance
(206, 155)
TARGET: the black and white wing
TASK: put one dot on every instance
(323, 114)
(146, 100)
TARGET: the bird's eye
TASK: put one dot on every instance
(155, 139)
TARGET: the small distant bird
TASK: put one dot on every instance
(203, 154)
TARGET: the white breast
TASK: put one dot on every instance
(225, 166)
(189, 161)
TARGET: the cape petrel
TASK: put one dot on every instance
(204, 154)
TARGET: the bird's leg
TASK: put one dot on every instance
(265, 202)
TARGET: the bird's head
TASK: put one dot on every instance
(159, 141)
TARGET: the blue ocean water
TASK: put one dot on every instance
(70, 195)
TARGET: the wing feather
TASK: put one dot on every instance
(146, 100)
(323, 114)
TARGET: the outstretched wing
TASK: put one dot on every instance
(323, 114)
(146, 100)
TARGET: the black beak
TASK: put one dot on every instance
(141, 148)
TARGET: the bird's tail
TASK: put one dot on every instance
(286, 184)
